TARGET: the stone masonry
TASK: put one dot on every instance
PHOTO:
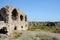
(12, 19)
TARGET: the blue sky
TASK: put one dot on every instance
(36, 10)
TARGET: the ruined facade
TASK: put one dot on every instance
(12, 19)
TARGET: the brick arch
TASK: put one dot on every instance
(21, 17)
(3, 15)
(25, 17)
(14, 14)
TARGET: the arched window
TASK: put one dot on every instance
(1, 18)
(21, 17)
(4, 15)
(21, 26)
(15, 28)
(25, 18)
(14, 14)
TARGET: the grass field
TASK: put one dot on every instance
(45, 28)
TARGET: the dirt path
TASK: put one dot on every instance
(51, 34)
(43, 32)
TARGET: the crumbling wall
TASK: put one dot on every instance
(13, 19)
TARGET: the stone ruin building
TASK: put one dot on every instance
(12, 19)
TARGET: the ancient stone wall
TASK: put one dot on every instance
(13, 19)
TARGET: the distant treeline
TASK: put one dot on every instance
(44, 23)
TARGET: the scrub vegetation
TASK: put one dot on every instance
(46, 26)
